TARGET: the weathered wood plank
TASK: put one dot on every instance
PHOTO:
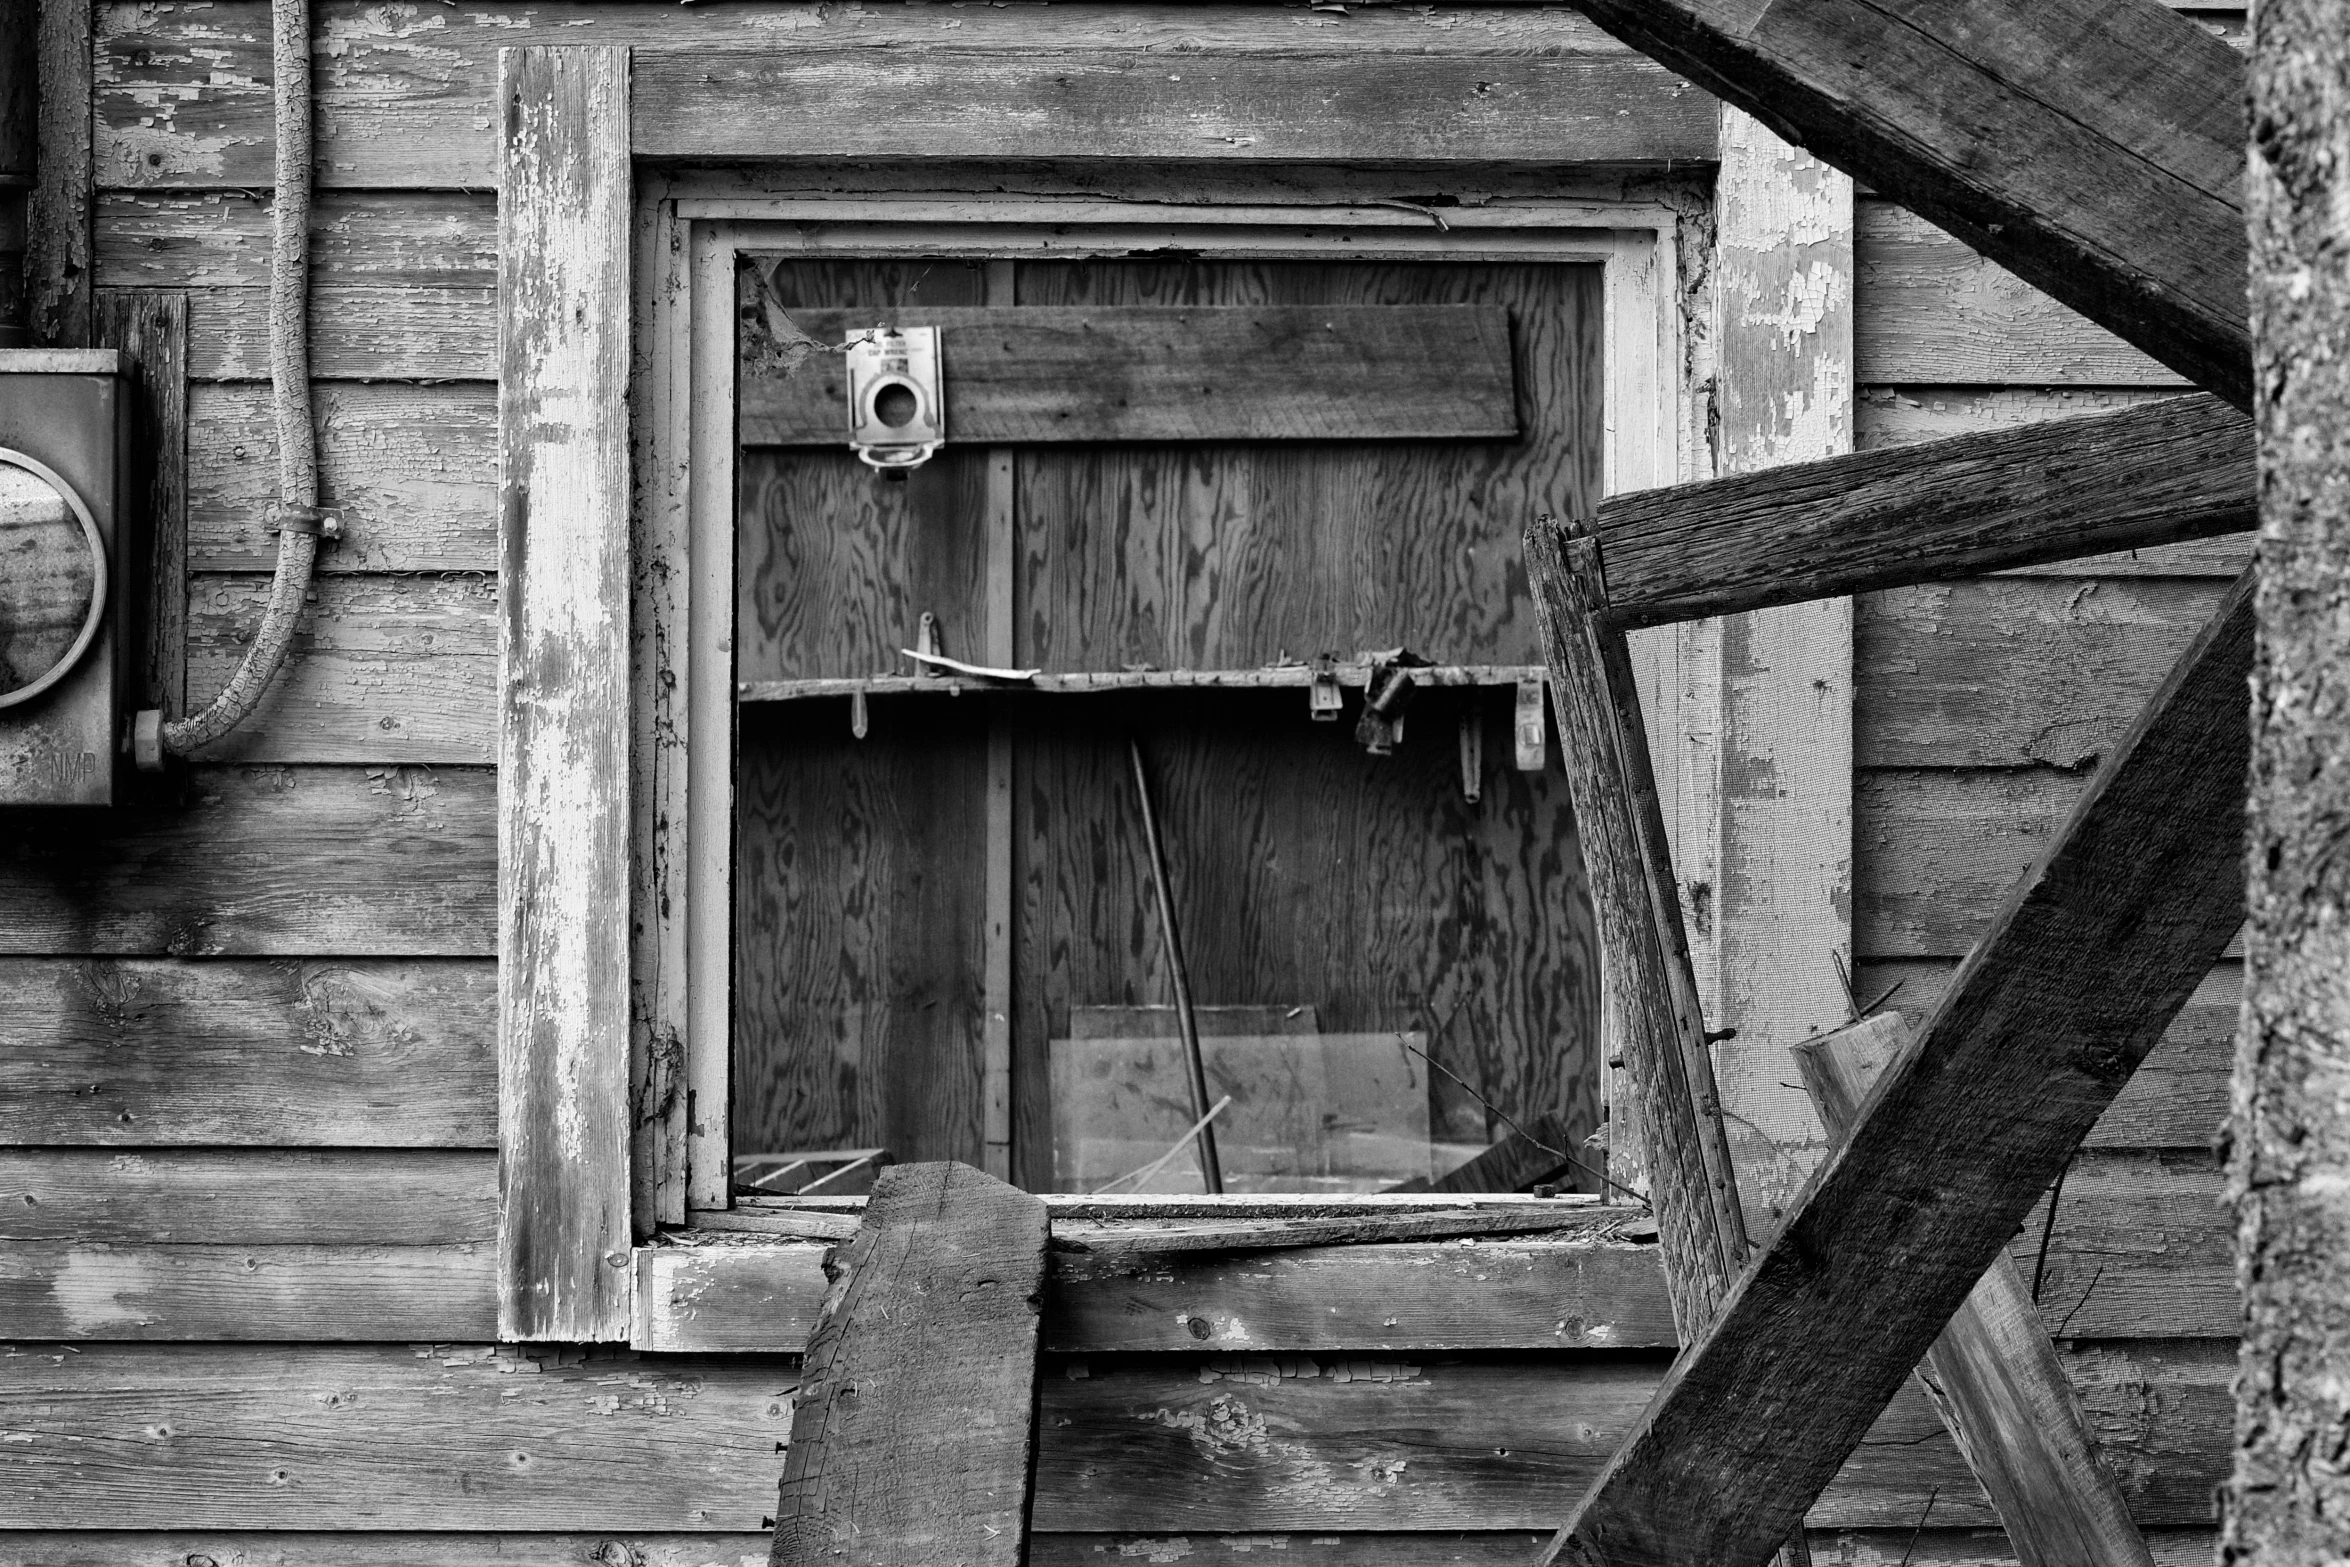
(367, 1053)
(563, 724)
(464, 1437)
(1374, 1443)
(2090, 958)
(1781, 860)
(1992, 1373)
(153, 326)
(57, 255)
(1941, 849)
(2140, 476)
(2015, 671)
(358, 332)
(1931, 1547)
(2178, 1097)
(1152, 372)
(1116, 106)
(384, 669)
(1903, 415)
(209, 1293)
(251, 1197)
(219, 239)
(1676, 1108)
(414, 470)
(914, 1427)
(443, 1437)
(262, 861)
(1499, 1294)
(182, 98)
(727, 1299)
(1940, 312)
(2001, 122)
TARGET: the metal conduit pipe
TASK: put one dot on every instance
(300, 523)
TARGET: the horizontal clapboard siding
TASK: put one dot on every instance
(384, 668)
(2178, 1097)
(182, 100)
(97, 1291)
(2014, 671)
(263, 861)
(413, 470)
(1928, 309)
(282, 1197)
(1929, 1547)
(2140, 1247)
(167, 1437)
(133, 1052)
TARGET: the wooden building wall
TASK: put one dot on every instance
(247, 1197)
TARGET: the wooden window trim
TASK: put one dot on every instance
(604, 1142)
(686, 528)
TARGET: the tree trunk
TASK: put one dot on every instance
(2289, 1498)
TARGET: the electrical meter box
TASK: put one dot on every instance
(67, 574)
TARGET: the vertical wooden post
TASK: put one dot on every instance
(153, 326)
(57, 258)
(563, 731)
(1660, 1027)
(1993, 1373)
(1003, 543)
(2289, 1498)
(1676, 1111)
(1782, 867)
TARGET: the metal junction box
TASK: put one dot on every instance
(67, 574)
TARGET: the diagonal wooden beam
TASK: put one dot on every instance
(2095, 148)
(2178, 469)
(2086, 964)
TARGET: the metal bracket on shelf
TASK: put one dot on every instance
(1324, 701)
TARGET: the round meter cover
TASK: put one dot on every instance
(52, 579)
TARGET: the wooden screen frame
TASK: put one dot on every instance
(599, 944)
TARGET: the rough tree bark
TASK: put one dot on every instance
(2289, 1498)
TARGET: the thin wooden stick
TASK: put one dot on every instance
(1210, 1170)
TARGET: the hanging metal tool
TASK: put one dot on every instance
(1186, 1020)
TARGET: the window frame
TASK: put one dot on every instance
(1647, 417)
(612, 1122)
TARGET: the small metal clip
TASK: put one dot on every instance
(1533, 727)
(1380, 729)
(320, 522)
(1472, 755)
(1324, 701)
(926, 641)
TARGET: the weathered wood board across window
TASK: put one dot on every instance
(1172, 510)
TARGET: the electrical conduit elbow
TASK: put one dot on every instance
(301, 525)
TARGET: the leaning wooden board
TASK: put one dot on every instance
(914, 1426)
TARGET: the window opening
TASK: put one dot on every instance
(1384, 919)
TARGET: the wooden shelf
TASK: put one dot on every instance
(1353, 676)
